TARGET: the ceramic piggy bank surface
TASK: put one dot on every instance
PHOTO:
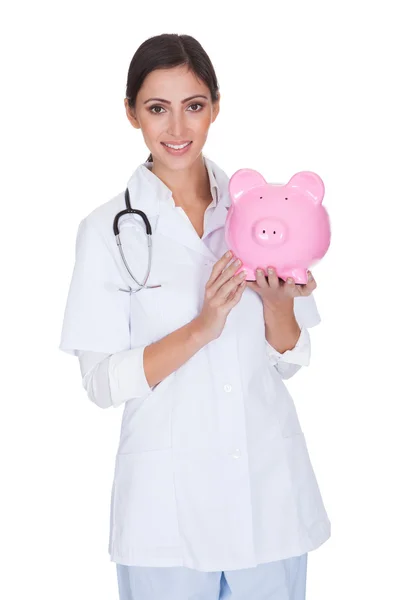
(283, 226)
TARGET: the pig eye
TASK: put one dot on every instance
(285, 198)
(260, 197)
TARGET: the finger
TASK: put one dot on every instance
(233, 292)
(219, 267)
(253, 286)
(261, 280)
(230, 270)
(311, 281)
(231, 285)
(220, 277)
(290, 288)
(272, 278)
(227, 275)
(236, 295)
(309, 287)
(305, 290)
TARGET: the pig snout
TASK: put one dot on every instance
(269, 232)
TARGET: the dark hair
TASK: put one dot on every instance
(166, 51)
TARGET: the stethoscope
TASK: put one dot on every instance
(130, 210)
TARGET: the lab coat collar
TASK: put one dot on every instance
(149, 194)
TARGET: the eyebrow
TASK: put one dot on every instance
(182, 102)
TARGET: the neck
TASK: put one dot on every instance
(190, 187)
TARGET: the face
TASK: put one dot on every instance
(183, 112)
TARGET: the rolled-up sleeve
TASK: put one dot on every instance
(291, 361)
(95, 380)
(111, 380)
(127, 377)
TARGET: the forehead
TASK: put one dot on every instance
(175, 82)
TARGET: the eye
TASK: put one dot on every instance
(196, 104)
(155, 106)
(285, 198)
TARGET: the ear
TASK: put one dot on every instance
(131, 115)
(309, 183)
(244, 180)
(215, 108)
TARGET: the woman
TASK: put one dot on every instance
(214, 495)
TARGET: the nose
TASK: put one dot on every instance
(269, 232)
(176, 126)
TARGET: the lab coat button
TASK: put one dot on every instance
(227, 387)
(237, 453)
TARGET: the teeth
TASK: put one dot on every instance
(177, 147)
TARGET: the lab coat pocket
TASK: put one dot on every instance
(144, 503)
(146, 423)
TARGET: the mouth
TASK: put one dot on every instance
(177, 148)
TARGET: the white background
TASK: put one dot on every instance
(308, 85)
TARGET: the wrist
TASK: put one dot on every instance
(282, 330)
(197, 333)
(279, 312)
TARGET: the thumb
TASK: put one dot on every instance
(253, 286)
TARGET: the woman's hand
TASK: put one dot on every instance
(222, 292)
(277, 295)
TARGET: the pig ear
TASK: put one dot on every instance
(244, 180)
(310, 184)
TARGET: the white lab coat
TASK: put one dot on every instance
(212, 470)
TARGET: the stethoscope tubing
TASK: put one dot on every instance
(130, 210)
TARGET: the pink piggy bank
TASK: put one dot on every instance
(283, 226)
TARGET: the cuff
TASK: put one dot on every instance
(126, 376)
(299, 355)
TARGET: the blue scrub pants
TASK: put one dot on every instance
(279, 580)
